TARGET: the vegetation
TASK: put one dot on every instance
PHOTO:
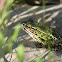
(6, 45)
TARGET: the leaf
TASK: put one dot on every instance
(39, 58)
(1, 44)
(1, 52)
(3, 13)
(1, 39)
(20, 53)
(13, 35)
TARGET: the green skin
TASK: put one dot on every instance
(46, 35)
